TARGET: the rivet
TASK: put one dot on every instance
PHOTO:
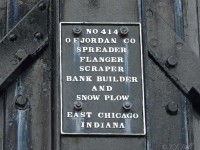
(21, 101)
(13, 37)
(172, 108)
(21, 54)
(179, 45)
(149, 13)
(172, 61)
(42, 6)
(77, 30)
(124, 30)
(153, 42)
(127, 106)
(38, 35)
(78, 105)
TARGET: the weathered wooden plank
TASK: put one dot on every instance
(2, 113)
(37, 79)
(29, 128)
(95, 143)
(55, 78)
(3, 11)
(10, 117)
(191, 24)
(160, 18)
(17, 9)
(98, 11)
(37, 83)
(198, 18)
(2, 18)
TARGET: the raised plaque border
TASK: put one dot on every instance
(142, 72)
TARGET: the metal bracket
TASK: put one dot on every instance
(176, 59)
(23, 43)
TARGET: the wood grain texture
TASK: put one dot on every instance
(98, 11)
(16, 9)
(164, 129)
(191, 24)
(3, 11)
(37, 82)
(2, 113)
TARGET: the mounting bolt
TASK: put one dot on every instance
(172, 61)
(124, 30)
(21, 101)
(127, 106)
(77, 30)
(149, 13)
(38, 35)
(21, 54)
(78, 105)
(172, 108)
(42, 6)
(13, 37)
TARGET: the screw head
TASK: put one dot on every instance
(78, 105)
(172, 108)
(21, 54)
(21, 101)
(124, 30)
(38, 35)
(172, 61)
(42, 6)
(127, 106)
(13, 37)
(77, 30)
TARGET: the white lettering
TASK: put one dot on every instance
(102, 88)
(116, 98)
(87, 97)
(79, 78)
(108, 125)
(79, 115)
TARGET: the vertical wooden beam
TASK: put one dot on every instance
(16, 11)
(2, 113)
(3, 11)
(161, 91)
(191, 24)
(192, 27)
(37, 82)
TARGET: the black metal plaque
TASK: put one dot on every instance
(101, 79)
